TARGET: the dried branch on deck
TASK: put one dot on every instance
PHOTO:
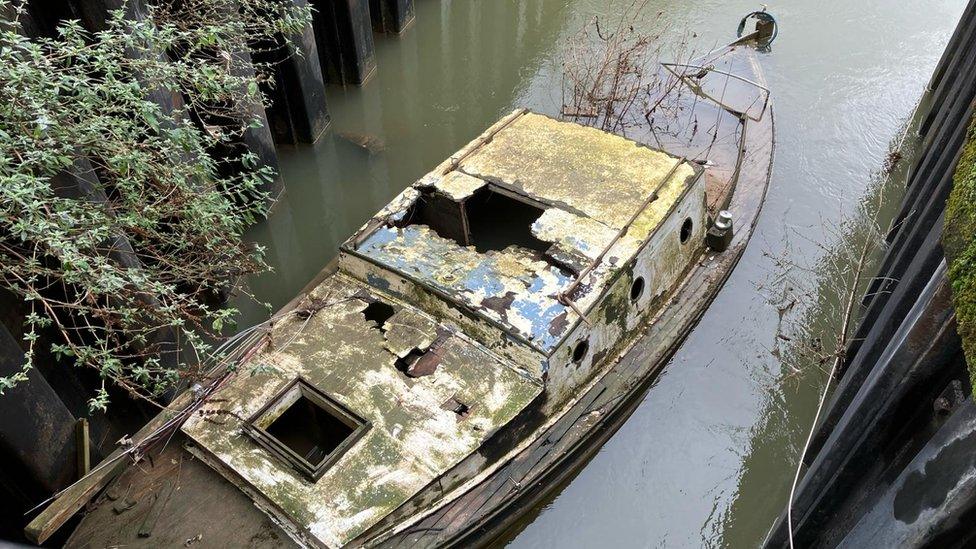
(612, 78)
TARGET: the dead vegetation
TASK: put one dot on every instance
(612, 77)
(819, 303)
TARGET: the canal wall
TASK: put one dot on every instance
(40, 451)
(893, 460)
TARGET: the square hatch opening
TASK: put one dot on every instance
(305, 428)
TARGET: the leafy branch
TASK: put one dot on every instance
(119, 226)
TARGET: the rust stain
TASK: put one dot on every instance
(500, 304)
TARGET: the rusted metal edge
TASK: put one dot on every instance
(697, 89)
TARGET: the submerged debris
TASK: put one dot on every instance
(370, 143)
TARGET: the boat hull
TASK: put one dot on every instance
(521, 480)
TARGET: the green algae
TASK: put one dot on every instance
(411, 440)
(960, 247)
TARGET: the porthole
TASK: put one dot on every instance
(686, 229)
(580, 350)
(637, 289)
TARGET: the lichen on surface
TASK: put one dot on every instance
(603, 176)
(959, 242)
(412, 438)
(456, 185)
(557, 165)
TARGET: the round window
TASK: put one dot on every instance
(637, 289)
(580, 350)
(686, 228)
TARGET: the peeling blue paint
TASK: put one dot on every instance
(378, 282)
(483, 279)
(511, 287)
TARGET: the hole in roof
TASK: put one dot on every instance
(441, 214)
(637, 289)
(379, 312)
(404, 363)
(686, 229)
(412, 366)
(454, 405)
(487, 220)
(305, 428)
(580, 350)
(497, 221)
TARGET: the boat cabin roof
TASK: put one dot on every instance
(505, 227)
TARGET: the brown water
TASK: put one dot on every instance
(708, 457)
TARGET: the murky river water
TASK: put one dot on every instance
(708, 457)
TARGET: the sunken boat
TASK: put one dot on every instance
(473, 345)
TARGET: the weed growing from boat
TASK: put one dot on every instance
(612, 77)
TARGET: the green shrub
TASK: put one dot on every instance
(959, 241)
(117, 269)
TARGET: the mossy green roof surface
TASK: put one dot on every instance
(590, 184)
(960, 247)
(413, 437)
